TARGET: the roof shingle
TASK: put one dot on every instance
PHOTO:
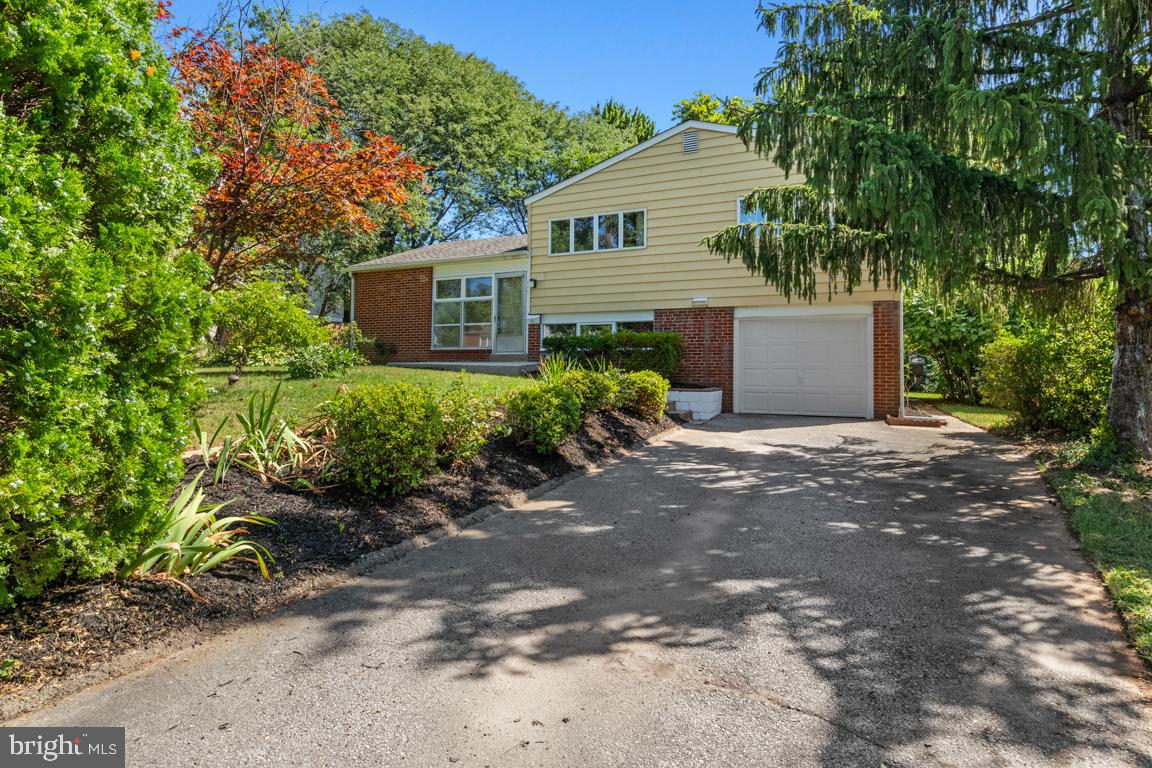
(452, 250)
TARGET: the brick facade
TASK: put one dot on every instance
(394, 306)
(707, 334)
(887, 330)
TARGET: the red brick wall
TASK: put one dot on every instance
(887, 328)
(394, 306)
(534, 341)
(707, 334)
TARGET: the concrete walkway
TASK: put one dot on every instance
(754, 592)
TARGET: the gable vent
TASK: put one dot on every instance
(691, 141)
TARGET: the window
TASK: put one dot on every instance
(595, 326)
(462, 313)
(746, 216)
(602, 232)
(561, 236)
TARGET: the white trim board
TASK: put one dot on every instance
(806, 310)
(631, 316)
(677, 129)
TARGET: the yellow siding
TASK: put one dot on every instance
(687, 197)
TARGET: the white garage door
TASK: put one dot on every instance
(811, 366)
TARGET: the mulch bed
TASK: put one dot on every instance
(73, 628)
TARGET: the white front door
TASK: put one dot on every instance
(809, 366)
(511, 315)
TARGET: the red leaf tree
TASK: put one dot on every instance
(286, 168)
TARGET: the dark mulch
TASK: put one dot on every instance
(72, 628)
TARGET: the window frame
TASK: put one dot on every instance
(618, 213)
(462, 300)
(740, 212)
(581, 323)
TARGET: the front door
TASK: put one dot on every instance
(511, 317)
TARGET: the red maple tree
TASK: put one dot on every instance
(286, 168)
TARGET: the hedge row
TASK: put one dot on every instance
(659, 351)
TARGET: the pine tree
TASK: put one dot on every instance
(633, 121)
(952, 144)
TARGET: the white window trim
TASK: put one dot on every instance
(740, 210)
(544, 323)
(596, 232)
(491, 298)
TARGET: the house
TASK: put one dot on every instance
(618, 246)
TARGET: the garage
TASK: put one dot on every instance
(804, 366)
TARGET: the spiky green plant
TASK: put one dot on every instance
(194, 540)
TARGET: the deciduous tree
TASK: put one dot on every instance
(951, 144)
(287, 168)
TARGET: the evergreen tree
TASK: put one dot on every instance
(635, 122)
(950, 144)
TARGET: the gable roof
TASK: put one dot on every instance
(684, 126)
(453, 250)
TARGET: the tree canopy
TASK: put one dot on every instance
(952, 144)
(286, 168)
(712, 109)
(485, 140)
(641, 126)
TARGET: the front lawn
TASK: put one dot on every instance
(983, 416)
(300, 398)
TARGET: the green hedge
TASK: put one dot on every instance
(659, 351)
(97, 316)
(544, 415)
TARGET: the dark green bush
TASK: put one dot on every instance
(645, 393)
(544, 415)
(1053, 374)
(467, 419)
(97, 318)
(596, 390)
(320, 360)
(387, 435)
(660, 351)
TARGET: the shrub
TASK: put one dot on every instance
(1054, 375)
(466, 419)
(596, 390)
(387, 436)
(951, 338)
(660, 351)
(320, 360)
(97, 318)
(261, 320)
(544, 415)
(646, 393)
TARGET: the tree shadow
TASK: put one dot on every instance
(923, 584)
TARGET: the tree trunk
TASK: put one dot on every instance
(1130, 401)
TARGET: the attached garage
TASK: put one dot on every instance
(804, 365)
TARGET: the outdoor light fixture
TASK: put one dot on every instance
(531, 282)
(699, 301)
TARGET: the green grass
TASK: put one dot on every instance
(300, 398)
(983, 416)
(1112, 515)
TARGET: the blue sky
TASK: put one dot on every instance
(645, 53)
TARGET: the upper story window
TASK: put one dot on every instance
(746, 216)
(601, 232)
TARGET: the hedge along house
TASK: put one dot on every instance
(619, 246)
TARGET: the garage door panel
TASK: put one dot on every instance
(804, 366)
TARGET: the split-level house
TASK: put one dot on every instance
(619, 246)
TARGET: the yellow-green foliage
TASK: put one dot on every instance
(596, 390)
(544, 415)
(646, 393)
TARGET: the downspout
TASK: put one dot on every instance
(352, 313)
(900, 330)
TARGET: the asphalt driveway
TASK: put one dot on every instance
(755, 592)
